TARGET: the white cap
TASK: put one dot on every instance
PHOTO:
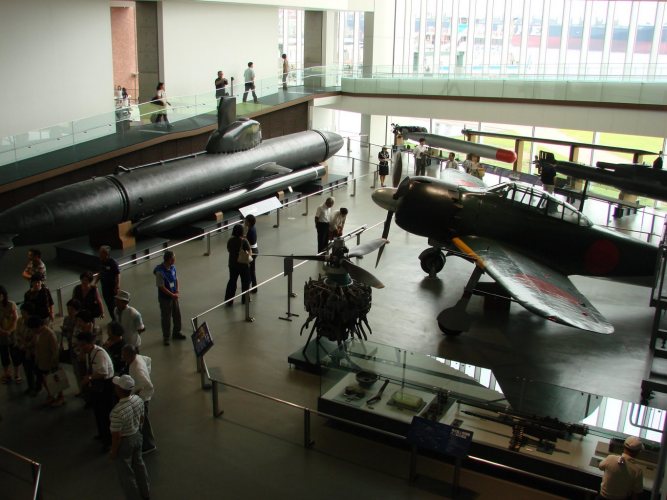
(124, 382)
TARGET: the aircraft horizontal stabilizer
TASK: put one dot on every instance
(536, 287)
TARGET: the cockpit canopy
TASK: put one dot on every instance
(539, 200)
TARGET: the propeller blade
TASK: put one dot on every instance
(385, 234)
(299, 257)
(366, 248)
(402, 188)
(397, 168)
(360, 274)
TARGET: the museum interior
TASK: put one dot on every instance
(475, 328)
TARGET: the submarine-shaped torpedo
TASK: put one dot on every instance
(238, 165)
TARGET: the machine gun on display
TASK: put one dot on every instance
(546, 430)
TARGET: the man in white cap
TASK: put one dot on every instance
(126, 419)
(623, 476)
(139, 368)
(129, 318)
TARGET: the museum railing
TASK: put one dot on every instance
(19, 475)
(607, 72)
(123, 126)
(21, 155)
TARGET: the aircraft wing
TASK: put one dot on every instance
(456, 179)
(536, 287)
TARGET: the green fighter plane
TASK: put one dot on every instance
(527, 240)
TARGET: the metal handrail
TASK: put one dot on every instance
(36, 469)
(308, 443)
(634, 419)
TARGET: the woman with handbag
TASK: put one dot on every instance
(88, 295)
(46, 358)
(240, 256)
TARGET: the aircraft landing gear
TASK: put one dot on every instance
(432, 260)
(455, 320)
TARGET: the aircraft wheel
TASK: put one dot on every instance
(432, 261)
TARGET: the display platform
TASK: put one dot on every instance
(79, 252)
(386, 387)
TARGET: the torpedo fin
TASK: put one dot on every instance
(273, 168)
(6, 242)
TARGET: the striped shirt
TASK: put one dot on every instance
(126, 416)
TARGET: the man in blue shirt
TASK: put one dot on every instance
(167, 295)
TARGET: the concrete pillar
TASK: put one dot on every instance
(318, 36)
(148, 60)
(519, 146)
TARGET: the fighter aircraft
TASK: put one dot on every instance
(527, 240)
(237, 168)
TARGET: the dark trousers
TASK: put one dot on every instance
(253, 275)
(131, 468)
(169, 310)
(147, 430)
(108, 296)
(103, 401)
(4, 356)
(248, 87)
(236, 271)
(29, 369)
(322, 235)
(420, 166)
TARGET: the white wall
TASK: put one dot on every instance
(56, 64)
(200, 38)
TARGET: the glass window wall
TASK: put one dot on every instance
(595, 38)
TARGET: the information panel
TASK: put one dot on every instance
(440, 438)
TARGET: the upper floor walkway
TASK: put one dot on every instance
(45, 151)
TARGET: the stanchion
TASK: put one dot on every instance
(352, 171)
(288, 269)
(208, 245)
(277, 224)
(307, 442)
(306, 212)
(201, 366)
(248, 318)
(59, 295)
(375, 178)
(215, 400)
(354, 187)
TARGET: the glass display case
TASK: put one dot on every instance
(541, 428)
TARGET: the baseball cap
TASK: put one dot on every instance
(633, 443)
(124, 382)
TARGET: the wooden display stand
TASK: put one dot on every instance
(118, 237)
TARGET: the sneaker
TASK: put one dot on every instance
(178, 336)
(148, 450)
(165, 341)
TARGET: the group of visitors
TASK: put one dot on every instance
(110, 375)
(328, 224)
(243, 253)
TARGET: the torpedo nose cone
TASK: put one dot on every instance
(334, 141)
(384, 197)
